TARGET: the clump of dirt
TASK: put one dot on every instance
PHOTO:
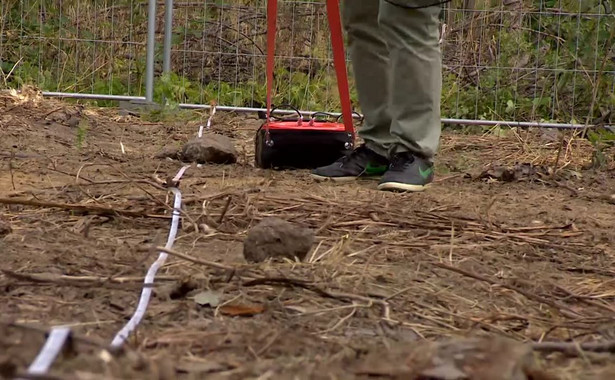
(8, 368)
(518, 172)
(277, 238)
(5, 227)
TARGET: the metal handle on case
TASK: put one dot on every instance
(285, 106)
(354, 113)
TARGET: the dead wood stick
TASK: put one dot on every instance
(193, 259)
(572, 348)
(224, 209)
(11, 170)
(534, 297)
(290, 282)
(100, 210)
(88, 341)
(37, 376)
(586, 300)
(587, 270)
(120, 182)
(190, 199)
(45, 278)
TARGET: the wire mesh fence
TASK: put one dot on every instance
(220, 47)
(538, 60)
(522, 60)
(74, 46)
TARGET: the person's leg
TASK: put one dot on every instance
(369, 56)
(412, 36)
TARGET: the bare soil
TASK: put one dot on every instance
(530, 260)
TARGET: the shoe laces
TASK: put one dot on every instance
(360, 151)
(402, 160)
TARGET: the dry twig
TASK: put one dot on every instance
(192, 259)
(534, 297)
(99, 210)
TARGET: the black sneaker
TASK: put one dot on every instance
(407, 172)
(360, 162)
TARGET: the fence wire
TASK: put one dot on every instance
(531, 61)
(534, 60)
(523, 60)
(74, 46)
(220, 48)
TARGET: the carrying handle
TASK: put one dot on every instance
(354, 113)
(285, 106)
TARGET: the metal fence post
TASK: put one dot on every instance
(168, 34)
(151, 41)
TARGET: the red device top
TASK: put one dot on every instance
(306, 125)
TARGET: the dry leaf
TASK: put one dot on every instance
(208, 297)
(241, 310)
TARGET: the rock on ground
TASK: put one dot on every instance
(463, 359)
(210, 148)
(277, 238)
(169, 151)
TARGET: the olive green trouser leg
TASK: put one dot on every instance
(397, 65)
(370, 61)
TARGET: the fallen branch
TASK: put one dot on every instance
(77, 338)
(98, 210)
(224, 209)
(572, 348)
(188, 200)
(290, 282)
(192, 259)
(534, 297)
(118, 280)
(85, 281)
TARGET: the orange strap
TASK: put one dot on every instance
(339, 58)
(272, 15)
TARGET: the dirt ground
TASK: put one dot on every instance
(530, 259)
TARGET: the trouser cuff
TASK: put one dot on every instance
(377, 148)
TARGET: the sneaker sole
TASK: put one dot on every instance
(343, 179)
(334, 179)
(404, 187)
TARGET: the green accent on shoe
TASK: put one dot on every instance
(407, 172)
(425, 173)
(361, 162)
(375, 169)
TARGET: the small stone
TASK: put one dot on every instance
(74, 121)
(550, 135)
(8, 368)
(169, 151)
(211, 148)
(277, 238)
(5, 227)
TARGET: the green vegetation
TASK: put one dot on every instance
(548, 60)
(82, 130)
